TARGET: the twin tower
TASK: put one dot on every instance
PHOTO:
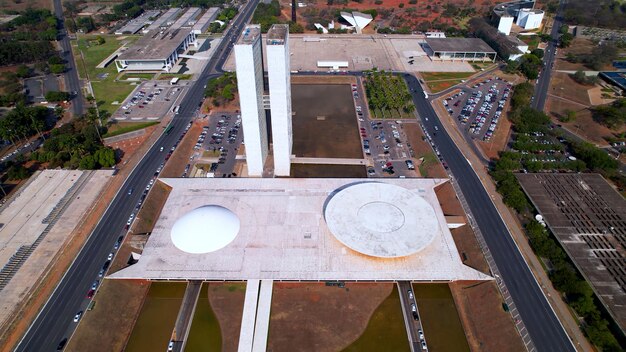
(254, 101)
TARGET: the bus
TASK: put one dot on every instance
(169, 129)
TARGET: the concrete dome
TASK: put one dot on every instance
(205, 229)
(381, 220)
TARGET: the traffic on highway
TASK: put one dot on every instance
(54, 322)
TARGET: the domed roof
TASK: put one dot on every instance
(381, 220)
(205, 229)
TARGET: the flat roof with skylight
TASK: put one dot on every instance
(301, 230)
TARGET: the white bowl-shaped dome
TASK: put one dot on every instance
(205, 229)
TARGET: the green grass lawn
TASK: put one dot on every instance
(169, 76)
(385, 330)
(205, 333)
(125, 127)
(429, 159)
(434, 76)
(440, 320)
(531, 40)
(438, 86)
(137, 75)
(88, 56)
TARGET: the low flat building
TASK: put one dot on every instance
(290, 229)
(164, 21)
(156, 51)
(187, 19)
(588, 217)
(203, 23)
(38, 221)
(615, 78)
(459, 49)
(133, 26)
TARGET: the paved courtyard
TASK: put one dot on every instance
(41, 217)
(363, 52)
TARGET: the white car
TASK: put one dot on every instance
(421, 334)
(170, 346)
(110, 256)
(77, 316)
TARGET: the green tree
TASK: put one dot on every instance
(566, 40)
(18, 172)
(87, 163)
(56, 96)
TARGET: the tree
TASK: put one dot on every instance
(56, 96)
(538, 53)
(87, 163)
(564, 29)
(57, 69)
(105, 157)
(18, 172)
(566, 40)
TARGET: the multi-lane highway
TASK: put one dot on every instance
(543, 325)
(543, 83)
(71, 75)
(54, 321)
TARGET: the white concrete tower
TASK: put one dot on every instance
(280, 96)
(249, 68)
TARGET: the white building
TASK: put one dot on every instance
(156, 51)
(529, 18)
(280, 96)
(357, 20)
(288, 229)
(203, 23)
(249, 68)
(505, 24)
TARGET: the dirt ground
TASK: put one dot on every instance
(487, 326)
(17, 5)
(421, 147)
(327, 171)
(131, 145)
(567, 95)
(321, 318)
(578, 46)
(108, 325)
(499, 139)
(227, 301)
(409, 15)
(324, 122)
(175, 166)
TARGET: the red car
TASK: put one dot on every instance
(91, 293)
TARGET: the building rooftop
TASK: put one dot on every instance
(208, 16)
(166, 17)
(304, 229)
(133, 26)
(277, 34)
(459, 45)
(588, 217)
(187, 19)
(155, 45)
(250, 34)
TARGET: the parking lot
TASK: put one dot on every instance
(479, 108)
(150, 101)
(218, 144)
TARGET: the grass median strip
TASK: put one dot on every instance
(129, 127)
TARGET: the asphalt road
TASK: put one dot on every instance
(543, 326)
(71, 75)
(543, 84)
(54, 321)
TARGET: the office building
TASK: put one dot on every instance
(280, 97)
(249, 63)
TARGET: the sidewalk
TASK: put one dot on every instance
(562, 310)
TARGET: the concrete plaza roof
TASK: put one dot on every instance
(381, 220)
(459, 45)
(283, 234)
